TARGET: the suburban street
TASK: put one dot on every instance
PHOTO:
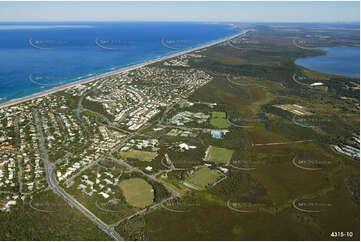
(51, 180)
(49, 168)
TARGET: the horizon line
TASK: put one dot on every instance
(154, 21)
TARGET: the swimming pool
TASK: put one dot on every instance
(216, 135)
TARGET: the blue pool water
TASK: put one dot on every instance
(216, 136)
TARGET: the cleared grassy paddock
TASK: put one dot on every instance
(204, 177)
(219, 120)
(138, 155)
(218, 155)
(137, 192)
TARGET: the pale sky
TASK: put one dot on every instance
(181, 11)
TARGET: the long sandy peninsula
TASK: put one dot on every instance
(118, 71)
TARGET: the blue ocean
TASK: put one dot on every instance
(35, 57)
(343, 61)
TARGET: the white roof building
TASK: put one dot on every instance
(81, 186)
(107, 181)
(316, 84)
(104, 194)
(225, 170)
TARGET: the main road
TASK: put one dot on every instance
(50, 177)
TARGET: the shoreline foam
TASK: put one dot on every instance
(118, 71)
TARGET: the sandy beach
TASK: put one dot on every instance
(118, 71)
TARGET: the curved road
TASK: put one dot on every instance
(50, 177)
